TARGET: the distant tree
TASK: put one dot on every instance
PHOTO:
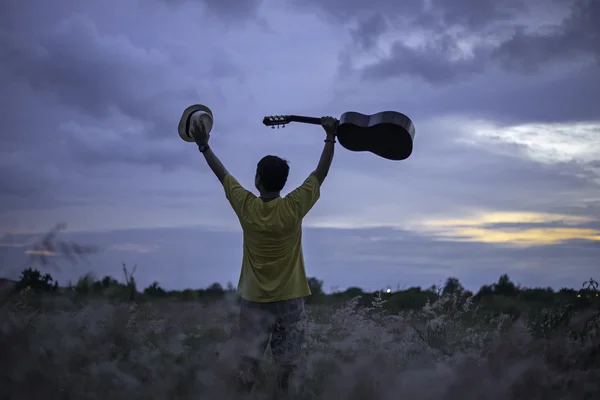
(32, 279)
(154, 290)
(316, 286)
(452, 287)
(505, 286)
(86, 284)
(411, 298)
(433, 289)
(106, 282)
(567, 292)
(544, 295)
(352, 292)
(215, 290)
(316, 290)
(484, 291)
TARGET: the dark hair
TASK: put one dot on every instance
(273, 173)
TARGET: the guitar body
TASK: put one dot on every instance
(388, 134)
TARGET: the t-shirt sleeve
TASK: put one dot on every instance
(235, 193)
(306, 195)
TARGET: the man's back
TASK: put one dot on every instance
(273, 262)
(273, 281)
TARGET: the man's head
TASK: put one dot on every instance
(271, 174)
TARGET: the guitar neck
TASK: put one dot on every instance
(305, 120)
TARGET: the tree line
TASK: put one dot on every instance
(503, 295)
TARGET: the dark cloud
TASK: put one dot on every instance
(500, 34)
(96, 73)
(367, 32)
(228, 9)
(433, 62)
(576, 37)
(76, 65)
(79, 95)
(569, 96)
(475, 15)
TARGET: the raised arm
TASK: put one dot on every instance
(215, 164)
(330, 126)
(235, 193)
(201, 137)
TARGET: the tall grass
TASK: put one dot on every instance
(52, 347)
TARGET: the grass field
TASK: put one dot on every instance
(57, 347)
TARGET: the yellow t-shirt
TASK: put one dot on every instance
(273, 263)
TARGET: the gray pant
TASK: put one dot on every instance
(283, 324)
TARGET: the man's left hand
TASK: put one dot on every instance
(330, 125)
(199, 133)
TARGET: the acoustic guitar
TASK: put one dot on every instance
(388, 134)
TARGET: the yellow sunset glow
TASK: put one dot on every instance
(509, 218)
(523, 237)
(41, 253)
(474, 229)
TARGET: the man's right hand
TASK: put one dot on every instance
(330, 125)
(198, 131)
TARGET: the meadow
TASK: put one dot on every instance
(104, 339)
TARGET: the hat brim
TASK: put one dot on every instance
(184, 123)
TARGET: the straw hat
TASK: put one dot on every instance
(196, 111)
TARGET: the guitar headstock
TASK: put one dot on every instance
(277, 121)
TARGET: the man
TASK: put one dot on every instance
(273, 282)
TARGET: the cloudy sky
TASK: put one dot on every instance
(504, 177)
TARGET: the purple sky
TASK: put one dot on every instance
(505, 175)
